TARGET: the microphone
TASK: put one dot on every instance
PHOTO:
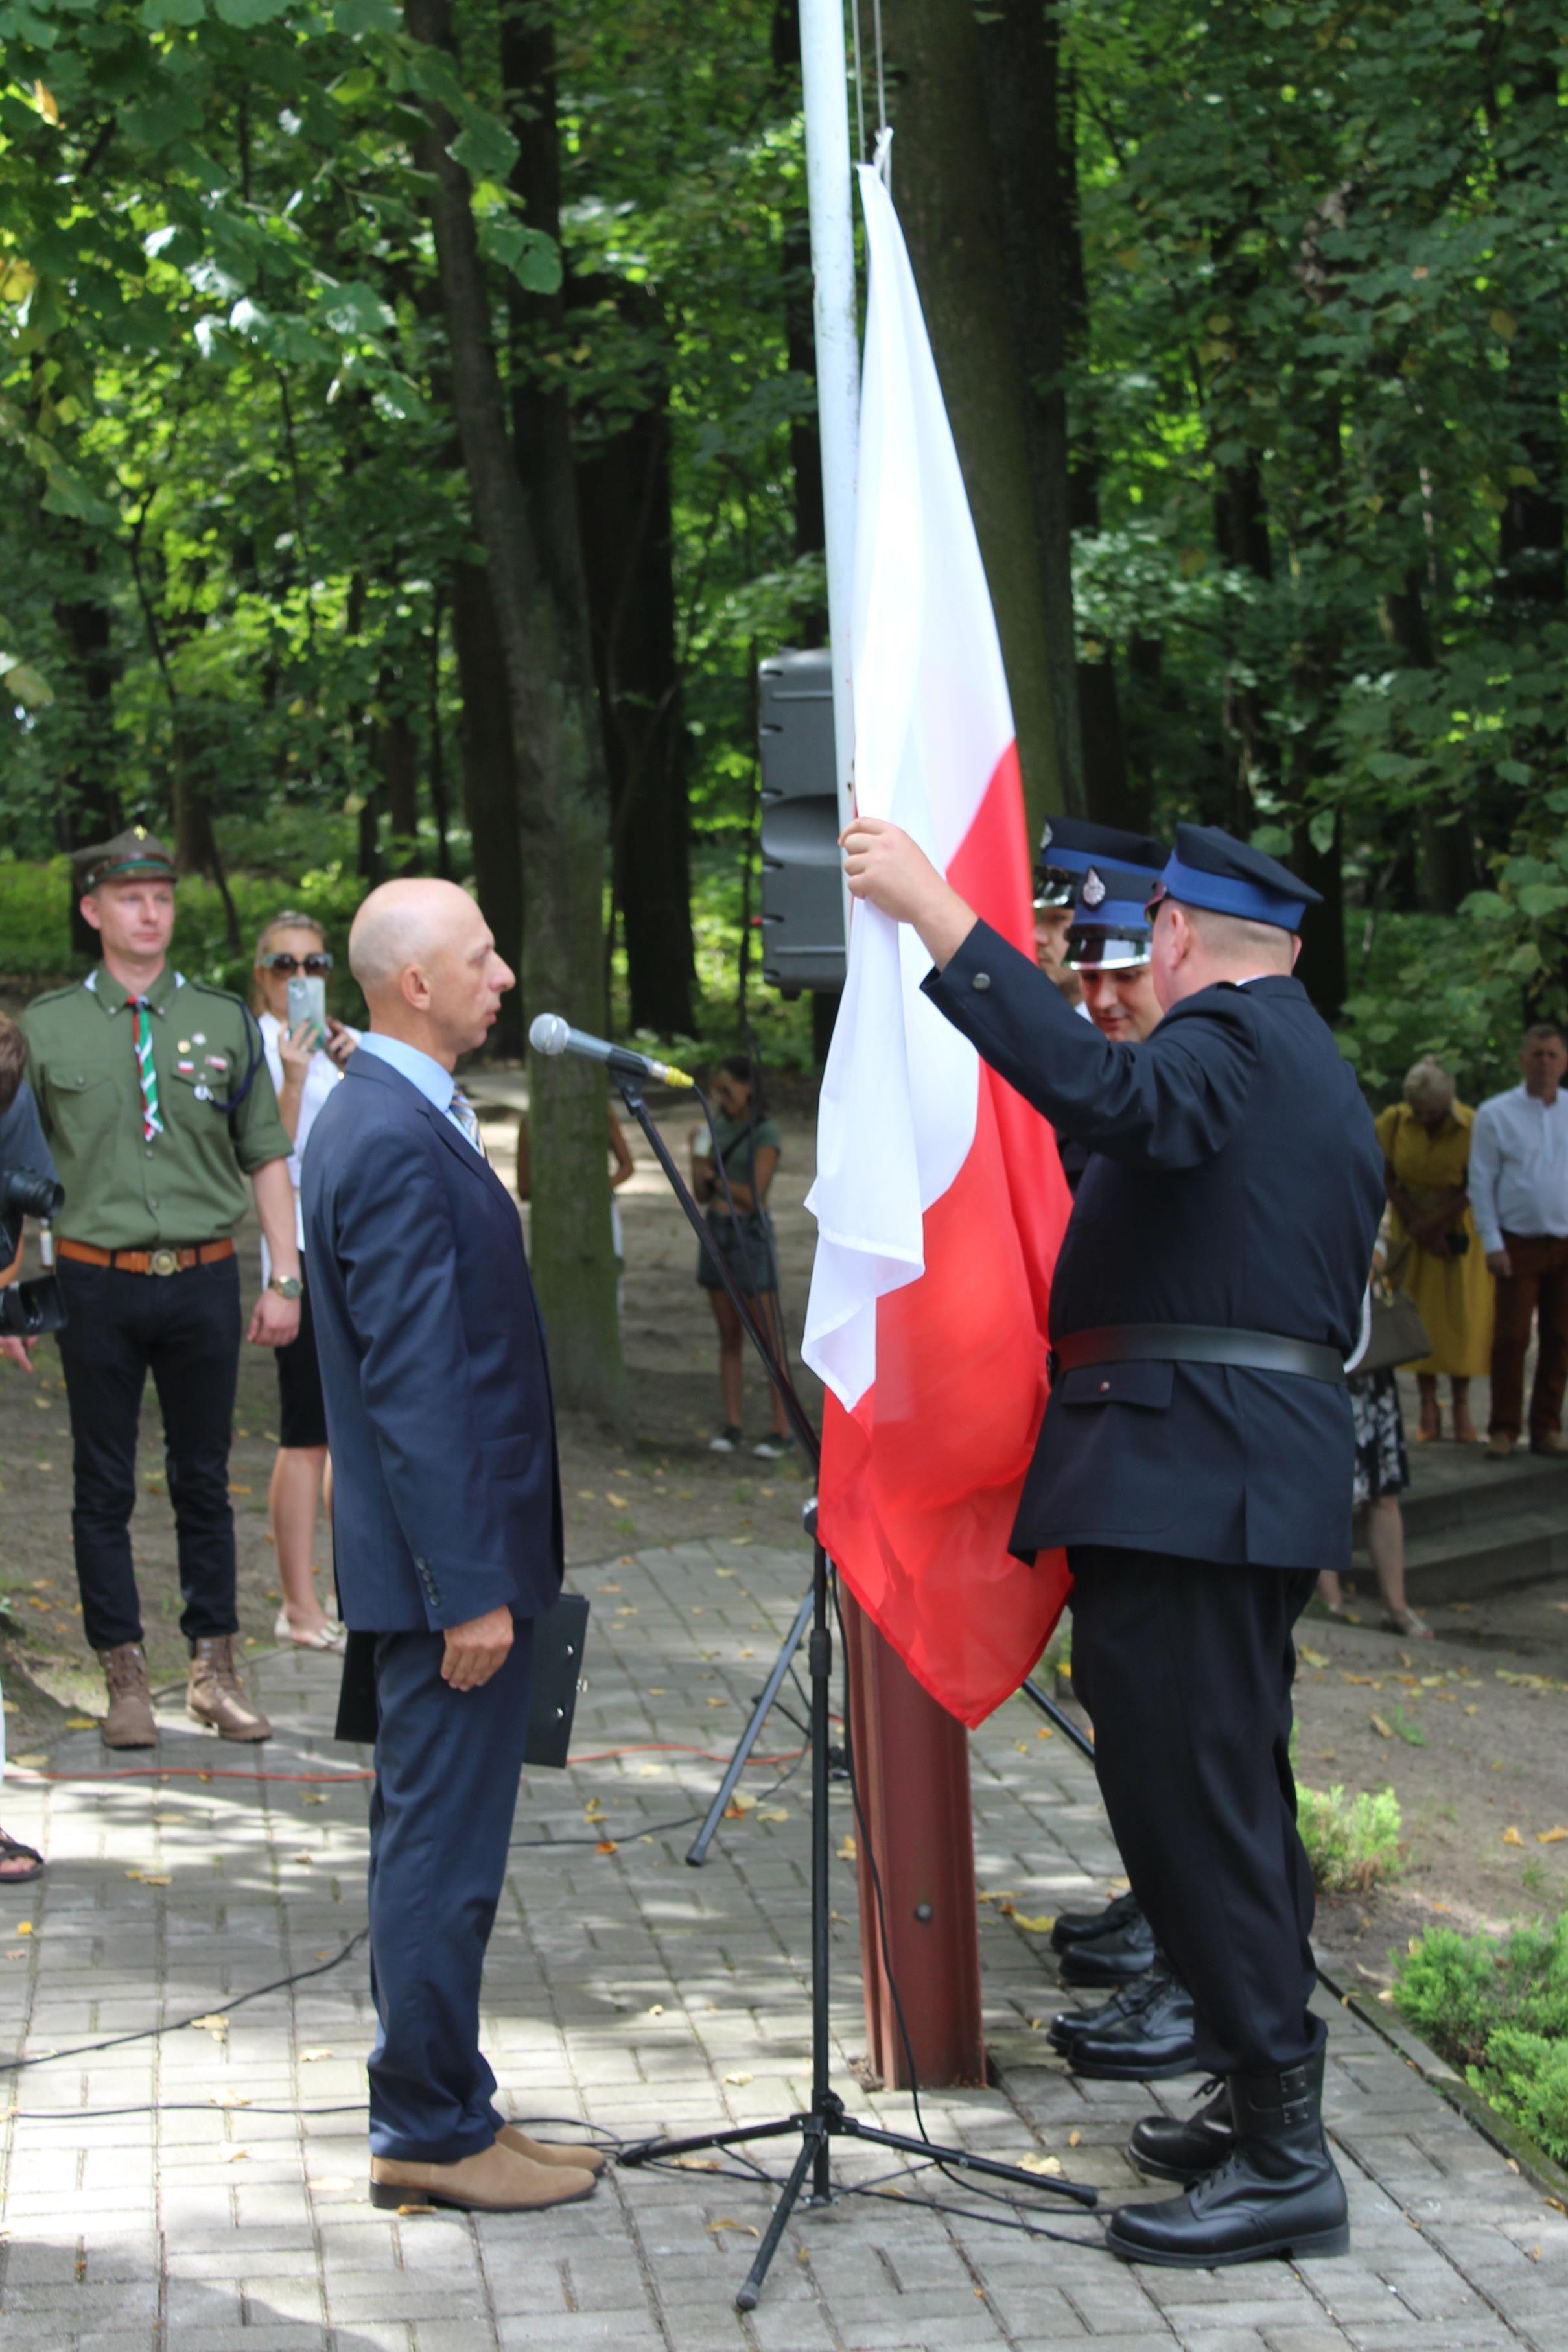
(550, 1034)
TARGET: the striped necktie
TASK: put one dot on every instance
(146, 1070)
(468, 1119)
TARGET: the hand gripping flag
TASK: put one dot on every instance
(939, 1199)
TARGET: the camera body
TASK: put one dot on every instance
(26, 1308)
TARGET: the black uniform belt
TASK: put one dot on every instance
(1195, 1343)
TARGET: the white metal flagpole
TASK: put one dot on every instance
(831, 199)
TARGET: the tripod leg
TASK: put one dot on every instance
(1032, 1691)
(814, 2144)
(696, 1854)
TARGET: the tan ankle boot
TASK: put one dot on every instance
(215, 1697)
(129, 1721)
(578, 2156)
(499, 2180)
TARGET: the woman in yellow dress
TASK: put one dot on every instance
(1435, 1254)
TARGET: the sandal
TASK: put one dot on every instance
(10, 1846)
(1406, 1621)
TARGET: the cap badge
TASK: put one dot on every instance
(1093, 890)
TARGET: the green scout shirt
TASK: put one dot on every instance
(185, 1186)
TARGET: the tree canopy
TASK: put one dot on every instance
(1283, 309)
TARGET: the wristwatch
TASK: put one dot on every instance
(287, 1286)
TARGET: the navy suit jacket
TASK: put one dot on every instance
(1234, 1179)
(445, 1488)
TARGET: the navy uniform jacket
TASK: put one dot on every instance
(445, 1491)
(1236, 1180)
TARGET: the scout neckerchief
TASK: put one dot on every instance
(146, 1070)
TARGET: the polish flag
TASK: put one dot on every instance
(939, 1200)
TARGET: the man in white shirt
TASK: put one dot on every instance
(1518, 1196)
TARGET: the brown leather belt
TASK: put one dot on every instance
(152, 1261)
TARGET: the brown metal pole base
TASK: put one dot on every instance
(911, 1774)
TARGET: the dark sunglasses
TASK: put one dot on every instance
(316, 965)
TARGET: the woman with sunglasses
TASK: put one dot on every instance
(304, 1072)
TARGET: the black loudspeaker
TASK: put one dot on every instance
(802, 873)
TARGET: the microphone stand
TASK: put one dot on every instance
(827, 2118)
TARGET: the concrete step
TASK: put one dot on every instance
(1454, 1487)
(1463, 1560)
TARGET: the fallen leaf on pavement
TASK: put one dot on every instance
(607, 1845)
(308, 2057)
(1048, 2164)
(1550, 1837)
(746, 2229)
(1040, 1926)
(738, 2080)
(1313, 1657)
(1510, 1837)
(848, 1851)
(1384, 1731)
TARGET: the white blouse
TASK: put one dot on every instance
(321, 1077)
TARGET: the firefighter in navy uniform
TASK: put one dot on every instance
(1195, 1460)
(155, 1098)
(1071, 849)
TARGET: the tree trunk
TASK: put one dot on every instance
(397, 747)
(623, 495)
(1036, 183)
(440, 811)
(944, 178)
(541, 617)
(90, 807)
(490, 780)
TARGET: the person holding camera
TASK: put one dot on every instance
(304, 1057)
(156, 1103)
(1434, 1254)
(745, 1144)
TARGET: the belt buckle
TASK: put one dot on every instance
(164, 1261)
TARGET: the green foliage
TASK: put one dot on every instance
(1499, 2009)
(1351, 1843)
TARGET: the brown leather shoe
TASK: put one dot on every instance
(1551, 1440)
(499, 2180)
(129, 1722)
(1499, 1446)
(215, 1696)
(579, 2156)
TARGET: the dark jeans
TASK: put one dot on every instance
(183, 1329)
(1537, 1288)
(1186, 1669)
(447, 1766)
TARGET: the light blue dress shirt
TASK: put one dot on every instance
(436, 1084)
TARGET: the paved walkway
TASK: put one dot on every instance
(205, 2189)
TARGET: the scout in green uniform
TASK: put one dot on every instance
(157, 1105)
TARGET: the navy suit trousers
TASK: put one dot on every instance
(447, 1767)
(1185, 1668)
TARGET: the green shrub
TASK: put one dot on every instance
(1500, 2010)
(1351, 1841)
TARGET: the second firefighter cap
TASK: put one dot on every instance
(1111, 924)
(1213, 869)
(1070, 846)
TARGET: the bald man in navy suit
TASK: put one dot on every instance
(446, 1526)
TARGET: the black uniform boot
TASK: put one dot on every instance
(1157, 2039)
(1065, 2029)
(1168, 2148)
(1277, 2194)
(1079, 1926)
(1113, 1959)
